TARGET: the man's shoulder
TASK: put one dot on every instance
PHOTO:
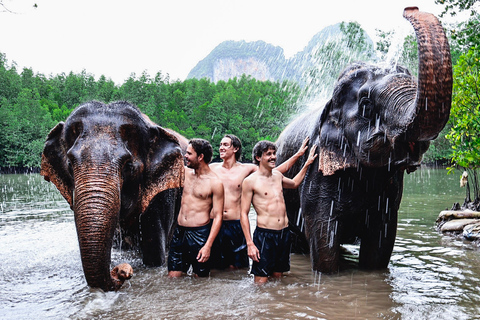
(189, 171)
(215, 165)
(247, 164)
(237, 169)
(252, 177)
(215, 181)
(248, 167)
(275, 172)
(213, 176)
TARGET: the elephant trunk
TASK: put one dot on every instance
(96, 207)
(434, 91)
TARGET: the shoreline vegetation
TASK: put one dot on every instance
(19, 170)
(27, 170)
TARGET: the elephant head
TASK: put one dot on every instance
(111, 164)
(377, 125)
(381, 116)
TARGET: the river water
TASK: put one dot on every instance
(430, 276)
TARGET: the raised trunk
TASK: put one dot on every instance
(96, 207)
(434, 91)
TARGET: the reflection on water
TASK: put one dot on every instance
(430, 275)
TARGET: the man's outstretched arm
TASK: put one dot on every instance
(286, 165)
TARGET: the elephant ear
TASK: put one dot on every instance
(333, 153)
(54, 166)
(164, 166)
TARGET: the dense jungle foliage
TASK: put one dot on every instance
(32, 104)
(463, 131)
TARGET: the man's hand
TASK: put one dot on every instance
(203, 254)
(253, 252)
(303, 147)
(311, 155)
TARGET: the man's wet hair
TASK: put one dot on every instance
(204, 147)
(236, 143)
(260, 148)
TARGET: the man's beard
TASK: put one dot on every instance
(192, 165)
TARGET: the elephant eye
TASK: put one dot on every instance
(365, 107)
(128, 168)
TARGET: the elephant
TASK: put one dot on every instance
(120, 173)
(377, 124)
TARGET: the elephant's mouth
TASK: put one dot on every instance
(410, 154)
(380, 150)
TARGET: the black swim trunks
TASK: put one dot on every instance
(232, 245)
(274, 247)
(184, 248)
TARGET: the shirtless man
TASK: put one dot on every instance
(264, 190)
(230, 249)
(202, 196)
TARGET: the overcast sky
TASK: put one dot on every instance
(117, 37)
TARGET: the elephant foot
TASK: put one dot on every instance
(121, 273)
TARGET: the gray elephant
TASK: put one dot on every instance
(377, 125)
(116, 168)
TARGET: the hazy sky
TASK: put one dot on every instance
(116, 38)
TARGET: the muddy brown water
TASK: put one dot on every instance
(430, 276)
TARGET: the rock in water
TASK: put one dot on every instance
(472, 231)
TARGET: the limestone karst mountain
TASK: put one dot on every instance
(264, 61)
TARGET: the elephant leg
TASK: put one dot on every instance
(156, 224)
(377, 242)
(324, 245)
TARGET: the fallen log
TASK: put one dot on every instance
(447, 215)
(457, 225)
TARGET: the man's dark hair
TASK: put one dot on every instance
(260, 148)
(204, 147)
(236, 143)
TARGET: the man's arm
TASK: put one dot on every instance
(216, 213)
(246, 201)
(285, 166)
(295, 182)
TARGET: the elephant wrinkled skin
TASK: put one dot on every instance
(377, 125)
(116, 168)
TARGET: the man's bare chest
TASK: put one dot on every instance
(268, 189)
(197, 188)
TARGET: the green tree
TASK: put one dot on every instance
(25, 126)
(452, 6)
(465, 117)
(464, 35)
(106, 90)
(10, 80)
